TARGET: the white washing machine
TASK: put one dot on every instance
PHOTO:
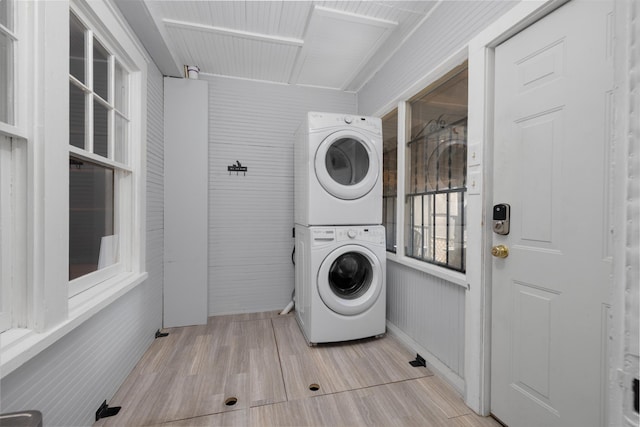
(338, 170)
(340, 282)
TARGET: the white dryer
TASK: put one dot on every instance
(338, 170)
(340, 282)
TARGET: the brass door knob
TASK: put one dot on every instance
(500, 251)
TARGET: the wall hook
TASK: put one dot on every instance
(237, 168)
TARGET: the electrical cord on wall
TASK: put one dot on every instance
(293, 254)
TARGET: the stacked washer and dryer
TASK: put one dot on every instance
(340, 277)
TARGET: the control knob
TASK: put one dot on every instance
(351, 234)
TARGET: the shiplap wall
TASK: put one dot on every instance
(251, 217)
(70, 379)
(427, 309)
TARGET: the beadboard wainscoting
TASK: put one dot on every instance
(70, 379)
(429, 315)
(251, 214)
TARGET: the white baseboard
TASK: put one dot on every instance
(433, 363)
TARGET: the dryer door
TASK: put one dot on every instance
(347, 165)
(350, 279)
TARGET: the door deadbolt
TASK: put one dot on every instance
(501, 214)
(500, 251)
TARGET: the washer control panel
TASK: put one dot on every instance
(322, 236)
(359, 233)
(373, 234)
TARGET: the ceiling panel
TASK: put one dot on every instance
(233, 55)
(337, 45)
(252, 39)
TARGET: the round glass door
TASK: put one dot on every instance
(350, 275)
(347, 165)
(350, 279)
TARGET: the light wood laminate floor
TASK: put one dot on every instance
(262, 362)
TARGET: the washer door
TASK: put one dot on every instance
(347, 165)
(350, 279)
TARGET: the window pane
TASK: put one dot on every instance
(76, 48)
(415, 238)
(100, 70)
(121, 130)
(6, 225)
(6, 13)
(447, 161)
(100, 129)
(437, 173)
(6, 79)
(440, 235)
(76, 116)
(457, 230)
(428, 210)
(121, 89)
(390, 177)
(441, 106)
(389, 221)
(92, 243)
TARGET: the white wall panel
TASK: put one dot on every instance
(429, 310)
(70, 379)
(449, 28)
(155, 194)
(251, 217)
(185, 195)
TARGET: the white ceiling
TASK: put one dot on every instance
(333, 44)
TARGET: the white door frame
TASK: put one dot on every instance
(480, 189)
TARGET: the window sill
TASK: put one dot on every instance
(443, 273)
(18, 346)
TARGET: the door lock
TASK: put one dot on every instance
(501, 214)
(500, 251)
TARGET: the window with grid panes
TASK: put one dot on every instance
(8, 40)
(12, 176)
(99, 174)
(390, 177)
(435, 227)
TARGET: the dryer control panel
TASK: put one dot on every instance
(318, 121)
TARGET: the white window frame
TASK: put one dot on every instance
(12, 33)
(122, 173)
(387, 198)
(452, 73)
(403, 106)
(13, 185)
(47, 312)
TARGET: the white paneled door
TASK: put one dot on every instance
(553, 101)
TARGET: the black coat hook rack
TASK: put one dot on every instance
(237, 168)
